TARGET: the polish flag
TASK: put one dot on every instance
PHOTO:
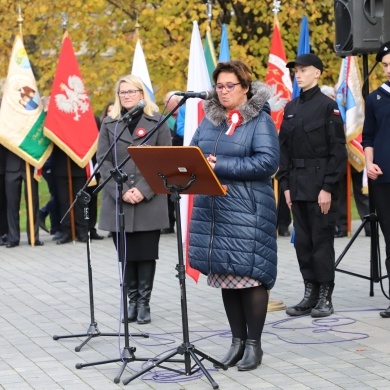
(198, 80)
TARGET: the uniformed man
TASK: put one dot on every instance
(312, 162)
(376, 144)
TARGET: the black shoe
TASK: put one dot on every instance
(12, 244)
(132, 312)
(2, 242)
(37, 243)
(64, 240)
(253, 355)
(284, 233)
(168, 230)
(368, 234)
(82, 239)
(386, 313)
(57, 236)
(143, 314)
(94, 236)
(324, 307)
(41, 221)
(308, 302)
(234, 354)
(340, 234)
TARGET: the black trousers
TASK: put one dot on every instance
(314, 241)
(381, 197)
(3, 206)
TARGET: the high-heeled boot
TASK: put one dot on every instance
(146, 271)
(253, 355)
(234, 354)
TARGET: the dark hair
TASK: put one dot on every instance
(239, 68)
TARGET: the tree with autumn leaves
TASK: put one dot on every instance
(104, 34)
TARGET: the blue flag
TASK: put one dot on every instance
(303, 48)
(224, 52)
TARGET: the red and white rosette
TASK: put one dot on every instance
(140, 132)
(235, 119)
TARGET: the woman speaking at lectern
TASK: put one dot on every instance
(145, 213)
(233, 237)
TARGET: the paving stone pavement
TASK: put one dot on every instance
(44, 291)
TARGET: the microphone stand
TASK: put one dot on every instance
(83, 196)
(120, 177)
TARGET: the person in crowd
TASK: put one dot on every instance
(233, 237)
(15, 174)
(312, 164)
(145, 213)
(376, 141)
(361, 199)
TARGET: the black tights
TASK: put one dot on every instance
(246, 309)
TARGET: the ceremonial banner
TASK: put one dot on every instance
(351, 104)
(70, 122)
(198, 80)
(140, 69)
(278, 77)
(21, 112)
(303, 48)
(224, 51)
(209, 53)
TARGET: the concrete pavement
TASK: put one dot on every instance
(44, 292)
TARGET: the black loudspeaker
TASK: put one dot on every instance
(362, 26)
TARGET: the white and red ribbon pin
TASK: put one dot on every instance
(235, 119)
(140, 132)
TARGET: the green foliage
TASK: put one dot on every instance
(104, 33)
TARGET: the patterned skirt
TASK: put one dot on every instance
(231, 281)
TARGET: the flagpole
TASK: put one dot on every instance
(275, 304)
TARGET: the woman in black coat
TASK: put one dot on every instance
(145, 213)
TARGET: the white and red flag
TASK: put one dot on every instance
(278, 77)
(198, 80)
(70, 122)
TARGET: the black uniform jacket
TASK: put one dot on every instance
(312, 145)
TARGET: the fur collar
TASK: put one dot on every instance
(216, 113)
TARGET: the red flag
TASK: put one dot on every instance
(70, 122)
(278, 77)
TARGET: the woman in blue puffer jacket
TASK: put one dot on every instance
(233, 237)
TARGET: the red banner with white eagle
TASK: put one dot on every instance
(278, 77)
(70, 122)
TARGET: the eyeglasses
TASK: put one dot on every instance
(229, 87)
(130, 92)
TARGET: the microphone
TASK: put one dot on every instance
(206, 95)
(140, 105)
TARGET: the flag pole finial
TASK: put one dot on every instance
(20, 19)
(64, 22)
(209, 11)
(276, 7)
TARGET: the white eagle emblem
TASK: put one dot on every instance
(75, 100)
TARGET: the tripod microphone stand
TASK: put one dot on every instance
(83, 196)
(187, 168)
(93, 330)
(127, 354)
(371, 218)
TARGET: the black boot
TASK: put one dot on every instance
(146, 270)
(253, 355)
(132, 289)
(309, 300)
(324, 307)
(234, 354)
(386, 313)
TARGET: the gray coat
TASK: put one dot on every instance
(152, 212)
